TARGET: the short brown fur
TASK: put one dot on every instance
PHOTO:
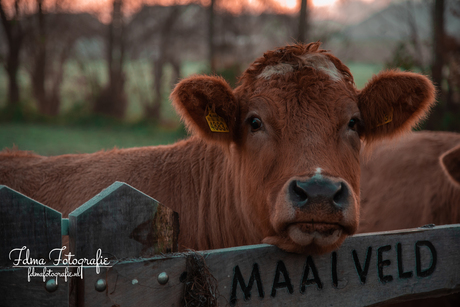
(406, 183)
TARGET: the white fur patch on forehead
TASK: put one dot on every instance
(278, 69)
(315, 60)
(322, 63)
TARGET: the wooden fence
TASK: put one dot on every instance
(123, 245)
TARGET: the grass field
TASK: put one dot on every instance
(55, 140)
(48, 139)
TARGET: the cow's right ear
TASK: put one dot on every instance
(393, 102)
(450, 163)
(207, 106)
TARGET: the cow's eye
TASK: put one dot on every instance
(255, 123)
(353, 124)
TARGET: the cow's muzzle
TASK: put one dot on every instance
(332, 196)
(314, 214)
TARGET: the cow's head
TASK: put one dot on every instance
(292, 134)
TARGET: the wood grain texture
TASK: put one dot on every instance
(122, 222)
(135, 283)
(401, 266)
(26, 222)
(15, 290)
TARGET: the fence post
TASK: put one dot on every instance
(120, 222)
(29, 232)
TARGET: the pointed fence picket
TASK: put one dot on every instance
(120, 222)
(29, 224)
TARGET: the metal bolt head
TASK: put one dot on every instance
(51, 285)
(163, 278)
(100, 285)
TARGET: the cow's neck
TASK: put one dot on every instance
(197, 180)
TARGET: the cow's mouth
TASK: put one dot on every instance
(319, 233)
(321, 227)
(310, 237)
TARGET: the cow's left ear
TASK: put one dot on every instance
(450, 163)
(393, 102)
(207, 107)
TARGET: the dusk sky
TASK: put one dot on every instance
(323, 9)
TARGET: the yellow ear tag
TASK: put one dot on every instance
(215, 122)
(388, 118)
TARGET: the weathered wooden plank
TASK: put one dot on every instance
(29, 232)
(135, 283)
(17, 290)
(367, 270)
(26, 222)
(122, 222)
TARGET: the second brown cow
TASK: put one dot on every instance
(275, 160)
(412, 182)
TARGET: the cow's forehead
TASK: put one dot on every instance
(303, 89)
(316, 61)
(295, 59)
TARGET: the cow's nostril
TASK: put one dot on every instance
(338, 193)
(300, 194)
(341, 195)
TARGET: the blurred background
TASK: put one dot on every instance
(79, 75)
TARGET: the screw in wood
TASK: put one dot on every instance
(51, 285)
(100, 285)
(163, 278)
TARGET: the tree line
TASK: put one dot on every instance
(43, 38)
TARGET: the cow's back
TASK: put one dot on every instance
(64, 182)
(403, 184)
(22, 171)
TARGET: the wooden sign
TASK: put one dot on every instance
(367, 269)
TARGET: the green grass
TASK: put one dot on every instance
(55, 139)
(362, 72)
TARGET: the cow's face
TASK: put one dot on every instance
(299, 155)
(292, 132)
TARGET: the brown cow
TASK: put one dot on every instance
(276, 160)
(411, 182)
